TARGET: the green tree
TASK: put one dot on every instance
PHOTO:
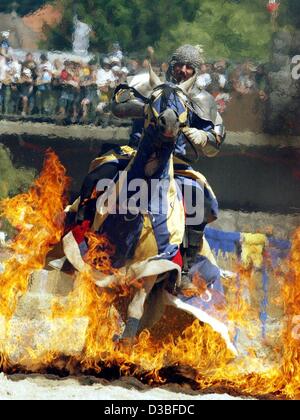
(233, 29)
(228, 29)
(134, 23)
(290, 13)
(13, 180)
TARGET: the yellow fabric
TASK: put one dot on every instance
(205, 251)
(86, 71)
(253, 246)
(104, 97)
(111, 156)
(176, 214)
(147, 244)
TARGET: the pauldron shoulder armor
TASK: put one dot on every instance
(128, 101)
(141, 83)
(204, 104)
(205, 107)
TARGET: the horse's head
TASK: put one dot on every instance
(167, 108)
(166, 113)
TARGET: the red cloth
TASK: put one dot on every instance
(273, 7)
(79, 231)
(64, 75)
(178, 259)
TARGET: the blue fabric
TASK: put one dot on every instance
(282, 245)
(206, 270)
(124, 232)
(194, 197)
(278, 250)
(171, 100)
(264, 303)
(136, 132)
(4, 44)
(227, 242)
(182, 167)
(180, 147)
(145, 151)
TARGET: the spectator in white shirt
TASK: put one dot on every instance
(3, 68)
(117, 52)
(105, 75)
(204, 79)
(15, 69)
(45, 64)
(117, 74)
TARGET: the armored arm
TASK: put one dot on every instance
(215, 138)
(207, 116)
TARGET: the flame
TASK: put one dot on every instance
(38, 217)
(193, 349)
(100, 253)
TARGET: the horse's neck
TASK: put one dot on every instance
(151, 161)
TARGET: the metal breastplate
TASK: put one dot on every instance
(204, 104)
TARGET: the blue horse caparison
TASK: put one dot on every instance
(155, 150)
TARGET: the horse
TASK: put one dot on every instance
(147, 228)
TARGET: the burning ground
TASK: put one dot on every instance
(50, 324)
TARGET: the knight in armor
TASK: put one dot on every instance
(184, 65)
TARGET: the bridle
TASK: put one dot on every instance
(187, 105)
(150, 101)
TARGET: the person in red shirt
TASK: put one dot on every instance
(70, 87)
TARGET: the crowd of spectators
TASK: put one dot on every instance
(65, 90)
(223, 79)
(78, 92)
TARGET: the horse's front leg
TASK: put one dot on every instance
(136, 308)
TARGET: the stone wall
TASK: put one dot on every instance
(283, 111)
(253, 172)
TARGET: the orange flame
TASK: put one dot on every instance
(38, 216)
(100, 252)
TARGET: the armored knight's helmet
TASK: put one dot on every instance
(186, 54)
